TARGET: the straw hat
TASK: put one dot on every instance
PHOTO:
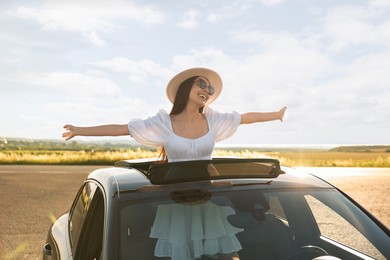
(213, 77)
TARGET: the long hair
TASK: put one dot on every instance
(182, 96)
(179, 104)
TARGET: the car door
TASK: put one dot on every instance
(86, 223)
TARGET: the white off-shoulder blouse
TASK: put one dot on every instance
(157, 131)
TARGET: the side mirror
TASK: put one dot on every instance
(47, 250)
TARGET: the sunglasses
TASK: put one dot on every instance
(203, 85)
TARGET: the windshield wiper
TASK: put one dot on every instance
(251, 183)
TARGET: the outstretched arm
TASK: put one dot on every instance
(254, 117)
(102, 130)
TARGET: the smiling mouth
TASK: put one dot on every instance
(203, 96)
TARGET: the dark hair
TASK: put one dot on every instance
(182, 96)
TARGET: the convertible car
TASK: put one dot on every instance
(143, 209)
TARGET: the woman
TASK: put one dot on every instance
(191, 129)
(189, 132)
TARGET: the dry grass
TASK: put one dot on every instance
(73, 157)
(334, 159)
(318, 159)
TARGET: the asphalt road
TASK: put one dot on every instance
(33, 196)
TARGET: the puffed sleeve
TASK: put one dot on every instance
(153, 131)
(224, 125)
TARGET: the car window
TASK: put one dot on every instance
(255, 221)
(91, 237)
(330, 223)
(276, 207)
(79, 212)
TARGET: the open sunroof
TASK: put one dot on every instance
(219, 168)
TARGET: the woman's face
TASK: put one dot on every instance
(200, 92)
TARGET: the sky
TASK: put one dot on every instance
(96, 62)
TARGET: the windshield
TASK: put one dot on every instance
(255, 223)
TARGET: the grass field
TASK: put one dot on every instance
(287, 158)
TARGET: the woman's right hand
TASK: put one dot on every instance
(70, 133)
(282, 113)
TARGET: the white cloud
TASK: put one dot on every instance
(259, 37)
(73, 84)
(340, 28)
(207, 57)
(136, 71)
(95, 39)
(365, 80)
(189, 20)
(111, 110)
(347, 26)
(271, 2)
(316, 78)
(380, 3)
(90, 17)
(230, 10)
(285, 55)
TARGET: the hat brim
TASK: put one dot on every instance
(213, 77)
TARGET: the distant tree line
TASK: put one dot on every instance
(53, 145)
(362, 148)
